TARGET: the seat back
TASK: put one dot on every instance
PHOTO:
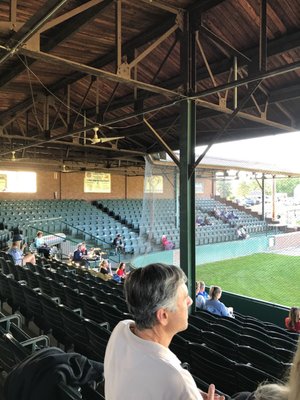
(211, 366)
(192, 333)
(112, 315)
(11, 351)
(247, 377)
(219, 343)
(92, 308)
(75, 330)
(225, 332)
(179, 346)
(261, 360)
(72, 298)
(98, 338)
(200, 322)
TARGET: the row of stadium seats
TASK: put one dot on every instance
(162, 223)
(79, 293)
(76, 218)
(16, 345)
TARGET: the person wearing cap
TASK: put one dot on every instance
(118, 244)
(17, 252)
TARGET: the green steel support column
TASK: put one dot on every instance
(187, 158)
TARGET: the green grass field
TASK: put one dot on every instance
(270, 277)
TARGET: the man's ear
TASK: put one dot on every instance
(162, 316)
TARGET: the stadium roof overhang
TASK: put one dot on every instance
(67, 67)
(211, 165)
(106, 82)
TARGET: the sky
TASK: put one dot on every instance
(281, 150)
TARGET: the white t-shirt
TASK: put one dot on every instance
(39, 242)
(137, 369)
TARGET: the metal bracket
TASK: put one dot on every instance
(124, 70)
(179, 19)
(36, 342)
(222, 102)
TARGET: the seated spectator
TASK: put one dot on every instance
(118, 244)
(105, 267)
(120, 273)
(223, 216)
(201, 295)
(17, 252)
(121, 270)
(242, 233)
(199, 221)
(158, 299)
(167, 244)
(201, 291)
(292, 322)
(232, 215)
(41, 245)
(207, 221)
(217, 213)
(78, 256)
(213, 304)
(84, 249)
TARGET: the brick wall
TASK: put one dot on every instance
(51, 185)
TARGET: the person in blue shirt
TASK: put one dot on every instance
(202, 291)
(201, 295)
(214, 305)
(17, 252)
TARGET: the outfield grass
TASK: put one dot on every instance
(270, 277)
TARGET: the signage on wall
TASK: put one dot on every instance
(97, 182)
(154, 184)
(199, 187)
(3, 182)
(17, 182)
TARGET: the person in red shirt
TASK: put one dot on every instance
(121, 271)
(167, 244)
(292, 322)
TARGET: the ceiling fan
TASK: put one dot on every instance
(96, 139)
(13, 158)
(65, 169)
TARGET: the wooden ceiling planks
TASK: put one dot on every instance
(93, 42)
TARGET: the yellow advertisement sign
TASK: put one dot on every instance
(97, 182)
(3, 182)
(154, 184)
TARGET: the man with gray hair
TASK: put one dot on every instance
(138, 363)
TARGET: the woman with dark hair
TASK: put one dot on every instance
(292, 322)
(214, 305)
(121, 270)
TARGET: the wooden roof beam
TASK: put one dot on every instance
(143, 38)
(68, 28)
(87, 70)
